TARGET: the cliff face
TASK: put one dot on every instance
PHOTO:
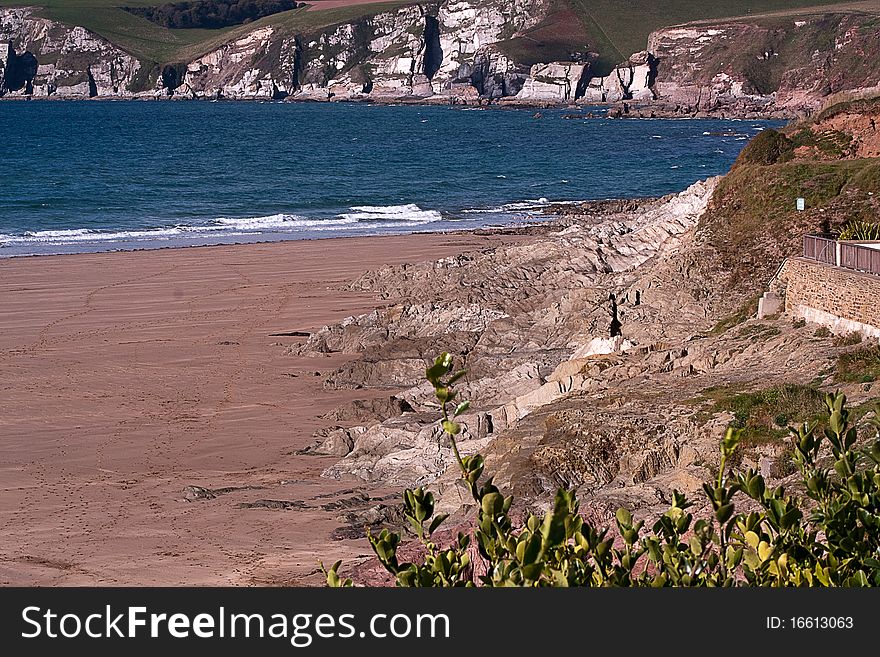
(420, 51)
(417, 50)
(41, 57)
(453, 51)
(794, 62)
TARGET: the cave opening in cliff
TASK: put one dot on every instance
(20, 72)
(172, 77)
(653, 72)
(433, 52)
(93, 86)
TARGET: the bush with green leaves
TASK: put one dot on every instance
(755, 534)
(868, 231)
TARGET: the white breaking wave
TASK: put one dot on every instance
(392, 213)
(85, 235)
(272, 222)
(518, 206)
(374, 216)
(222, 226)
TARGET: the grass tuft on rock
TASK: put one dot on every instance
(765, 415)
(859, 366)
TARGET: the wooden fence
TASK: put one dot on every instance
(821, 248)
(827, 249)
(860, 258)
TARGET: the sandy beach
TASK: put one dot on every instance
(127, 377)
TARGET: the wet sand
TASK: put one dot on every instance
(126, 377)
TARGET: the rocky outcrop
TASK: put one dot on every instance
(490, 75)
(594, 356)
(634, 79)
(46, 58)
(790, 62)
(552, 317)
(559, 82)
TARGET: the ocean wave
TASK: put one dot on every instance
(272, 222)
(518, 206)
(76, 235)
(410, 213)
(222, 226)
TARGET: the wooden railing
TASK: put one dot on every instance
(860, 258)
(827, 249)
(821, 247)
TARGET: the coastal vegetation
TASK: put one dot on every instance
(765, 415)
(859, 366)
(861, 230)
(825, 534)
(754, 210)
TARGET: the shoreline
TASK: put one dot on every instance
(625, 109)
(152, 419)
(513, 228)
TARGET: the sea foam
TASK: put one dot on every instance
(392, 213)
(376, 216)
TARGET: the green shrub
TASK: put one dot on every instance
(829, 536)
(764, 415)
(861, 230)
(211, 14)
(829, 143)
(768, 147)
(848, 339)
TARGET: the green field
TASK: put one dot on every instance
(614, 28)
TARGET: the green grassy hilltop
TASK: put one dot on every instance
(612, 28)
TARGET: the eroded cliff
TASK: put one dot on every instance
(462, 51)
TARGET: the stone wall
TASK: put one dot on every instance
(845, 301)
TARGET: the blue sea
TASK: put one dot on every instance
(95, 176)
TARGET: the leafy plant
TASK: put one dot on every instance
(829, 536)
(861, 230)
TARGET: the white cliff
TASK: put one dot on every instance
(46, 58)
(634, 79)
(455, 51)
(559, 82)
(415, 51)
